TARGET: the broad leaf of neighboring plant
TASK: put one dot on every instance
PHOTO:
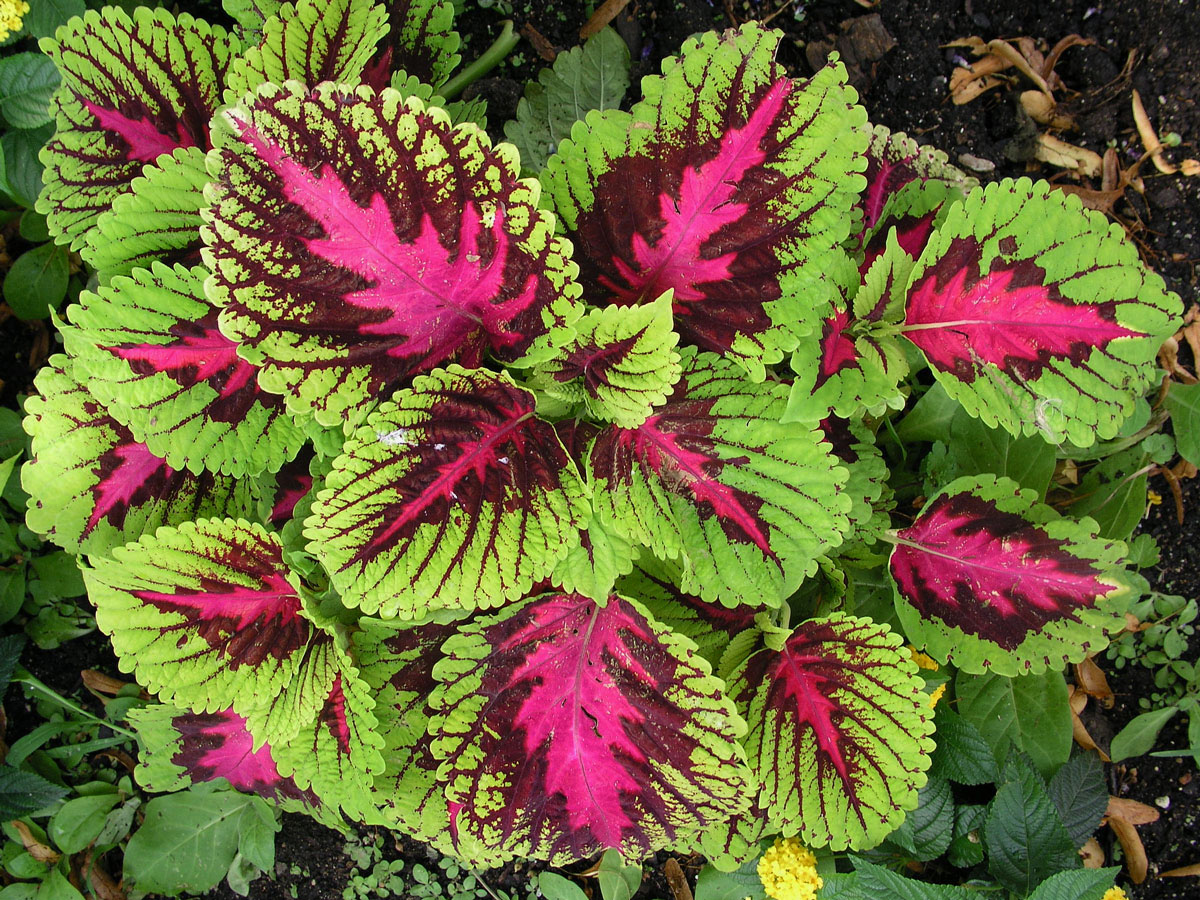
(845, 369)
(987, 578)
(744, 179)
(594, 76)
(182, 748)
(93, 487)
(840, 732)
(712, 478)
(1036, 314)
(356, 240)
(454, 495)
(311, 42)
(157, 220)
(567, 728)
(895, 160)
(132, 89)
(712, 626)
(338, 754)
(621, 364)
(422, 40)
(156, 357)
(208, 616)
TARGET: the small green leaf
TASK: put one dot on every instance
(1080, 795)
(1183, 401)
(1136, 738)
(963, 755)
(37, 282)
(24, 792)
(556, 887)
(27, 81)
(618, 879)
(78, 822)
(741, 884)
(1026, 840)
(56, 887)
(1029, 713)
(33, 227)
(1078, 884)
(927, 831)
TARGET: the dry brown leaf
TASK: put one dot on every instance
(1191, 331)
(1042, 108)
(1092, 682)
(965, 88)
(99, 683)
(1067, 156)
(1135, 852)
(103, 885)
(34, 847)
(1181, 872)
(1131, 811)
(1021, 60)
(1092, 854)
(1168, 358)
(1150, 141)
(601, 17)
(974, 43)
(676, 880)
(1071, 40)
(1078, 730)
(1076, 698)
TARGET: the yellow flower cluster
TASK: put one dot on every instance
(788, 871)
(11, 14)
(1114, 893)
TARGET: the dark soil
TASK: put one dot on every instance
(902, 69)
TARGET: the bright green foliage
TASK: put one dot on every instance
(592, 77)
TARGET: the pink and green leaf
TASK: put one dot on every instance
(566, 728)
(840, 732)
(208, 616)
(357, 240)
(744, 178)
(310, 42)
(182, 748)
(989, 579)
(894, 160)
(157, 220)
(155, 355)
(94, 487)
(1036, 314)
(713, 479)
(133, 88)
(621, 364)
(422, 40)
(454, 495)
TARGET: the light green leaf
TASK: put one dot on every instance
(594, 76)
(619, 880)
(1138, 737)
(1183, 400)
(713, 884)
(553, 886)
(78, 822)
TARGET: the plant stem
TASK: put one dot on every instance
(24, 677)
(491, 58)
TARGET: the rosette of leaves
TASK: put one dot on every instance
(536, 480)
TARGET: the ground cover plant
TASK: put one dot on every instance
(538, 516)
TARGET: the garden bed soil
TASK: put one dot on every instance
(901, 66)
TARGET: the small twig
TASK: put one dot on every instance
(601, 17)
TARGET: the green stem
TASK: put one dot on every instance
(491, 58)
(23, 677)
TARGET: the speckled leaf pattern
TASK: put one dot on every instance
(357, 239)
(208, 616)
(567, 728)
(988, 578)
(895, 160)
(621, 364)
(455, 495)
(840, 732)
(744, 178)
(158, 360)
(422, 40)
(251, 15)
(712, 478)
(337, 755)
(1036, 314)
(132, 88)
(157, 220)
(184, 748)
(310, 42)
(94, 487)
(593, 564)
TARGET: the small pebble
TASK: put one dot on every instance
(975, 163)
(1163, 802)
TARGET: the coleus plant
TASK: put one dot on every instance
(492, 508)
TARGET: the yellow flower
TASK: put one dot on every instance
(922, 660)
(1114, 893)
(937, 695)
(788, 871)
(11, 14)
